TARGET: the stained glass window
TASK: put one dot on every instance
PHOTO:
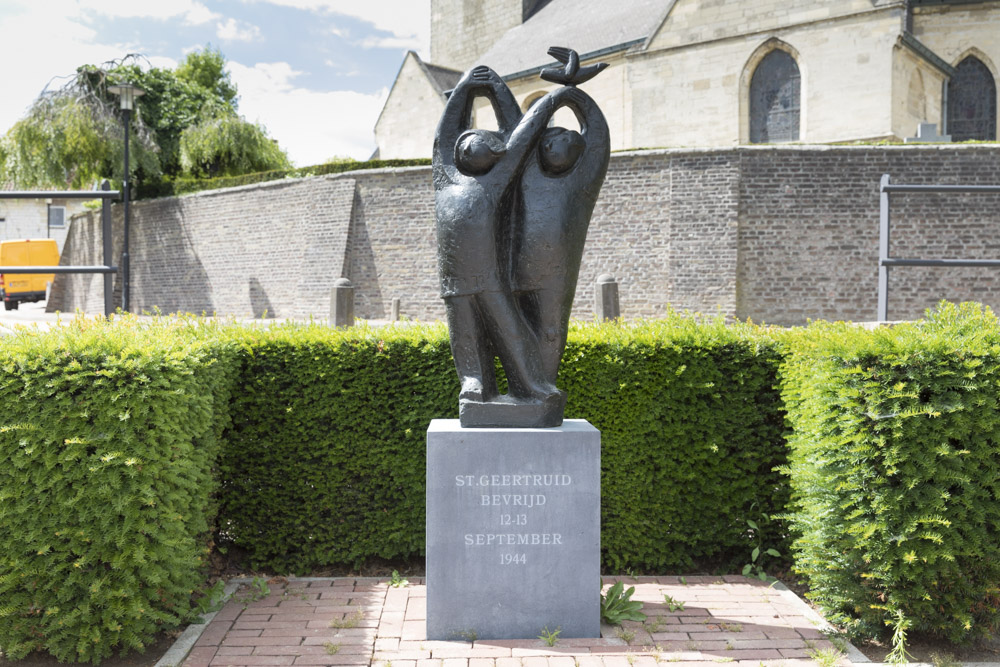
(774, 99)
(972, 102)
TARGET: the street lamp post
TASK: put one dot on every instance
(128, 93)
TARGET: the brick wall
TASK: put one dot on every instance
(777, 234)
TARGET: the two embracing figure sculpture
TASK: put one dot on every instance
(513, 207)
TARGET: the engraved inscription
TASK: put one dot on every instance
(495, 490)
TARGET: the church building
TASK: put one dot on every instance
(714, 73)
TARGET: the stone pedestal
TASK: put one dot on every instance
(513, 531)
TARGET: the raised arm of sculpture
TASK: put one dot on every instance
(504, 105)
(525, 136)
(595, 133)
(457, 116)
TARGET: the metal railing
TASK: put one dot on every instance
(885, 262)
(106, 194)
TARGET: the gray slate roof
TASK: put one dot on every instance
(583, 25)
(442, 77)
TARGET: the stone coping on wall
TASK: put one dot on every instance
(643, 152)
(820, 148)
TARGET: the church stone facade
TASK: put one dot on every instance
(699, 73)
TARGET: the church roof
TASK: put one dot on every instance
(587, 26)
(442, 77)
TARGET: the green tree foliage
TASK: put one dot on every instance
(73, 136)
(229, 146)
(206, 68)
(170, 104)
(894, 464)
(105, 513)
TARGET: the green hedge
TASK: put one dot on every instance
(895, 466)
(324, 464)
(183, 186)
(119, 440)
(325, 461)
(108, 435)
(691, 430)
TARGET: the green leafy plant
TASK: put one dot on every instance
(944, 660)
(256, 590)
(756, 565)
(617, 605)
(625, 634)
(898, 655)
(827, 657)
(468, 635)
(759, 553)
(893, 466)
(348, 621)
(550, 637)
(331, 648)
(108, 440)
(672, 604)
(397, 581)
(212, 599)
(654, 624)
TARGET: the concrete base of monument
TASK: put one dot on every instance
(513, 531)
(504, 412)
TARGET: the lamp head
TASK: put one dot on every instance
(128, 93)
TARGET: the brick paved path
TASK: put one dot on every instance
(347, 621)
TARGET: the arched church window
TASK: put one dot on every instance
(774, 99)
(972, 102)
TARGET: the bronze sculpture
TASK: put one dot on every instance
(512, 210)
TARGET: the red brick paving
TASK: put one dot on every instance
(367, 622)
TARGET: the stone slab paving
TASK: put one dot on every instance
(365, 621)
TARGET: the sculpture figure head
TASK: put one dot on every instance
(476, 151)
(559, 149)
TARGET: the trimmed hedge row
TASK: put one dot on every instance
(183, 186)
(895, 466)
(108, 436)
(692, 428)
(325, 462)
(120, 441)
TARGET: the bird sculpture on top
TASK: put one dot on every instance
(571, 74)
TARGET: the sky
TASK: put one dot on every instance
(315, 73)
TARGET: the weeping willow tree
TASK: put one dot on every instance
(74, 135)
(229, 146)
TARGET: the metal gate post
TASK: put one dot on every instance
(109, 305)
(883, 250)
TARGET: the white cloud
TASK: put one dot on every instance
(236, 31)
(42, 41)
(192, 11)
(406, 43)
(162, 62)
(408, 20)
(311, 125)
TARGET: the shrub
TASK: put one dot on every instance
(183, 186)
(692, 428)
(326, 459)
(107, 438)
(895, 467)
(229, 146)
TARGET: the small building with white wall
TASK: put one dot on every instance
(37, 218)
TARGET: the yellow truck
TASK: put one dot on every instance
(17, 288)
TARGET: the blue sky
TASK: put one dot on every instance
(314, 72)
